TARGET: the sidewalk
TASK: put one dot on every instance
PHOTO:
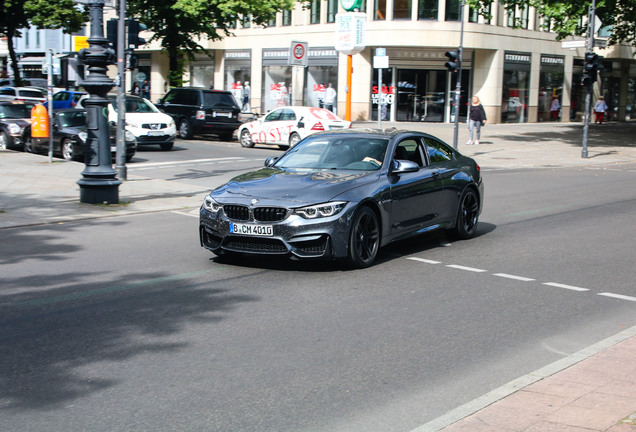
(593, 390)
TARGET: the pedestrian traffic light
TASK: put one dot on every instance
(111, 32)
(134, 27)
(453, 61)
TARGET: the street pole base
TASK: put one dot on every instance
(99, 191)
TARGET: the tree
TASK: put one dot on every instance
(566, 17)
(178, 24)
(46, 14)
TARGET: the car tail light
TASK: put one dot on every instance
(478, 168)
(318, 127)
(200, 115)
(73, 103)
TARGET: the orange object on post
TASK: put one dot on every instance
(39, 122)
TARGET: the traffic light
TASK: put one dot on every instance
(134, 27)
(111, 32)
(453, 61)
(590, 68)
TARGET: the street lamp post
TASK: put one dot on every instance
(99, 184)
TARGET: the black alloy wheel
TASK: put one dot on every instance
(468, 215)
(364, 240)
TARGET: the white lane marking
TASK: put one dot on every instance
(424, 260)
(618, 296)
(509, 276)
(192, 214)
(156, 164)
(569, 287)
(471, 269)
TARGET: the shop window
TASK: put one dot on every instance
(317, 79)
(401, 9)
(427, 9)
(276, 87)
(315, 12)
(452, 10)
(332, 10)
(380, 10)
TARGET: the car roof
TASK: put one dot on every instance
(14, 102)
(201, 89)
(385, 132)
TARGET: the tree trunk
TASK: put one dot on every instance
(13, 56)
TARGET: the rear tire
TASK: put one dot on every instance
(364, 239)
(185, 130)
(294, 138)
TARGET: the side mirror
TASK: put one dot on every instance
(404, 166)
(301, 124)
(271, 161)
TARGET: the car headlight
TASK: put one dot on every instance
(210, 205)
(83, 136)
(129, 136)
(14, 129)
(171, 124)
(321, 210)
(132, 124)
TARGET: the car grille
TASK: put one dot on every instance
(260, 214)
(254, 245)
(154, 126)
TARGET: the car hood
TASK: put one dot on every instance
(272, 186)
(21, 122)
(147, 117)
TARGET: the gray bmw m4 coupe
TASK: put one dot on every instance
(343, 195)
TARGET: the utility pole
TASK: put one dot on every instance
(588, 94)
(120, 159)
(458, 86)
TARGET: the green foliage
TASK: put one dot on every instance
(178, 24)
(568, 17)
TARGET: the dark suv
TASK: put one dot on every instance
(202, 111)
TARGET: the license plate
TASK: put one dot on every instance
(335, 127)
(222, 114)
(254, 230)
(156, 133)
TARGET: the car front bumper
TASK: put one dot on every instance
(326, 237)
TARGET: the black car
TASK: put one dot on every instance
(15, 124)
(69, 137)
(344, 194)
(202, 111)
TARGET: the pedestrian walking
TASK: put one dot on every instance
(330, 97)
(600, 107)
(135, 89)
(476, 119)
(555, 108)
(246, 97)
(145, 89)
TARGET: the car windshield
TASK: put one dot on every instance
(336, 152)
(15, 111)
(134, 105)
(72, 118)
(219, 100)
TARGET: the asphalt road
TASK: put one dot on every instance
(125, 323)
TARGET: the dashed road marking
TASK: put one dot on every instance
(524, 279)
(569, 287)
(509, 276)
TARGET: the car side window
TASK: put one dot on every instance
(410, 149)
(288, 114)
(171, 97)
(437, 151)
(61, 96)
(274, 115)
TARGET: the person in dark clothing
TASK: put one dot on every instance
(476, 119)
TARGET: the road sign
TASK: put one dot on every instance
(298, 54)
(573, 44)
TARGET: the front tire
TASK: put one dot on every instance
(185, 130)
(4, 140)
(246, 139)
(467, 216)
(28, 144)
(364, 239)
(166, 146)
(68, 150)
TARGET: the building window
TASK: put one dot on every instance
(452, 10)
(332, 10)
(271, 23)
(287, 17)
(246, 21)
(315, 12)
(37, 39)
(401, 9)
(519, 17)
(427, 9)
(380, 10)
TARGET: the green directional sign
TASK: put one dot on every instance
(351, 5)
